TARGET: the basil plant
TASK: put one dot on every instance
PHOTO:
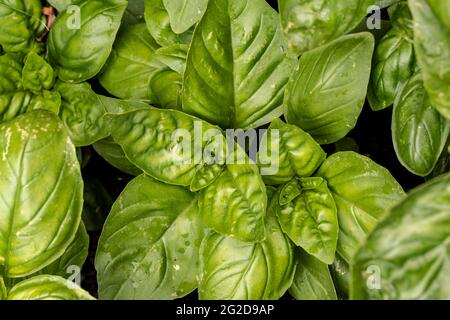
(224, 149)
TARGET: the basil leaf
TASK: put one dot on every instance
(236, 68)
(298, 154)
(363, 192)
(162, 262)
(20, 21)
(46, 287)
(235, 270)
(97, 204)
(75, 59)
(310, 220)
(310, 24)
(39, 231)
(183, 14)
(235, 203)
(113, 153)
(407, 255)
(419, 132)
(14, 98)
(326, 93)
(37, 74)
(432, 45)
(82, 113)
(312, 279)
(158, 24)
(132, 64)
(148, 138)
(393, 65)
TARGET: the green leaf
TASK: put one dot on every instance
(432, 45)
(310, 220)
(419, 132)
(46, 287)
(393, 64)
(236, 68)
(79, 46)
(289, 151)
(235, 270)
(235, 203)
(113, 153)
(97, 204)
(20, 21)
(82, 113)
(158, 24)
(38, 162)
(37, 74)
(150, 141)
(326, 93)
(310, 24)
(161, 263)
(132, 64)
(184, 14)
(363, 192)
(407, 256)
(312, 279)
(72, 260)
(14, 98)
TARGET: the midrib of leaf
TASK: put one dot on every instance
(230, 41)
(11, 221)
